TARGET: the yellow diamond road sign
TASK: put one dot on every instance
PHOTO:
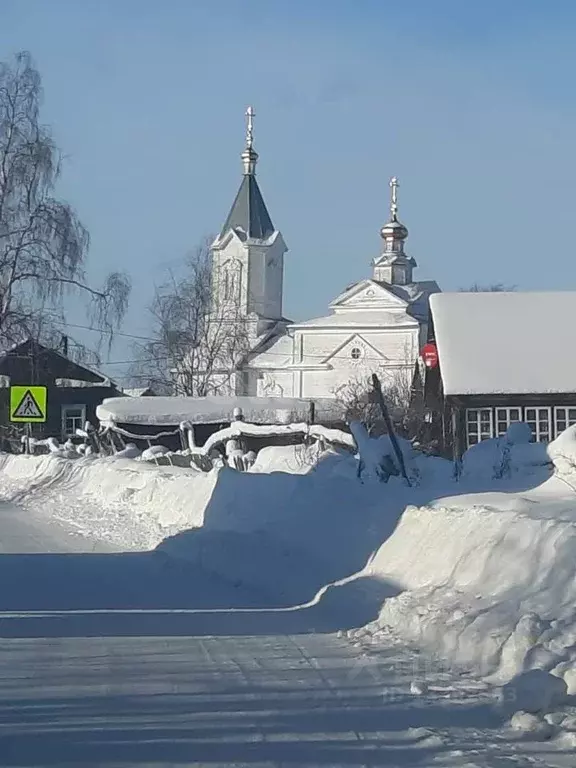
(28, 404)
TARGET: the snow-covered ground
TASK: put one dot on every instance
(122, 659)
(477, 573)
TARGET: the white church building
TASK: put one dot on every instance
(377, 325)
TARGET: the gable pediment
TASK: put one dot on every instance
(368, 295)
(344, 351)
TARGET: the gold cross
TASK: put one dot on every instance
(394, 196)
(250, 114)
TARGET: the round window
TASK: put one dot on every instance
(356, 353)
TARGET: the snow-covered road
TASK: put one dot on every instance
(119, 659)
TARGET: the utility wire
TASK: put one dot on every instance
(308, 356)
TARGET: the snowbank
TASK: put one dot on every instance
(286, 533)
(130, 504)
(488, 579)
(506, 456)
(562, 451)
(485, 579)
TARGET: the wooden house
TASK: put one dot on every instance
(73, 390)
(500, 357)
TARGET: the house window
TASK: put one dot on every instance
(355, 353)
(73, 418)
(564, 417)
(505, 417)
(540, 422)
(479, 425)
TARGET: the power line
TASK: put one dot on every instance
(65, 324)
(307, 356)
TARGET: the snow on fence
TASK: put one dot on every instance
(172, 411)
(225, 446)
(270, 419)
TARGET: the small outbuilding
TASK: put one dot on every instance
(496, 358)
(73, 390)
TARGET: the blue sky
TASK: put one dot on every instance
(470, 104)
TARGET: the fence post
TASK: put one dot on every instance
(312, 412)
(388, 421)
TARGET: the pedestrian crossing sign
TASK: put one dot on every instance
(28, 404)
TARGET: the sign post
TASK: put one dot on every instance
(28, 406)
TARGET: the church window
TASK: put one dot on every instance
(356, 353)
(229, 285)
(231, 282)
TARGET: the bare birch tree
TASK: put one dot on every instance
(355, 398)
(197, 342)
(43, 244)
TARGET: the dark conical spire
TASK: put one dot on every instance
(249, 214)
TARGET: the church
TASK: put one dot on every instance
(376, 325)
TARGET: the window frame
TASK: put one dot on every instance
(536, 431)
(506, 408)
(567, 421)
(64, 416)
(359, 356)
(479, 434)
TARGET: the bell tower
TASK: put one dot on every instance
(394, 266)
(248, 254)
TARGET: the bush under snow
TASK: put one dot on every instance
(506, 456)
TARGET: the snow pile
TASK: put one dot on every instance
(286, 534)
(484, 578)
(488, 580)
(130, 504)
(562, 451)
(505, 456)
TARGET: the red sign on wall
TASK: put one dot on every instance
(429, 354)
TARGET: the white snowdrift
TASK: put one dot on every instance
(506, 456)
(286, 533)
(130, 504)
(488, 579)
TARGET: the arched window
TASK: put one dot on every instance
(230, 278)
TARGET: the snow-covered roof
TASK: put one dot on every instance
(505, 343)
(171, 411)
(413, 291)
(359, 318)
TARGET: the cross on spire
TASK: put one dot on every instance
(394, 196)
(250, 114)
